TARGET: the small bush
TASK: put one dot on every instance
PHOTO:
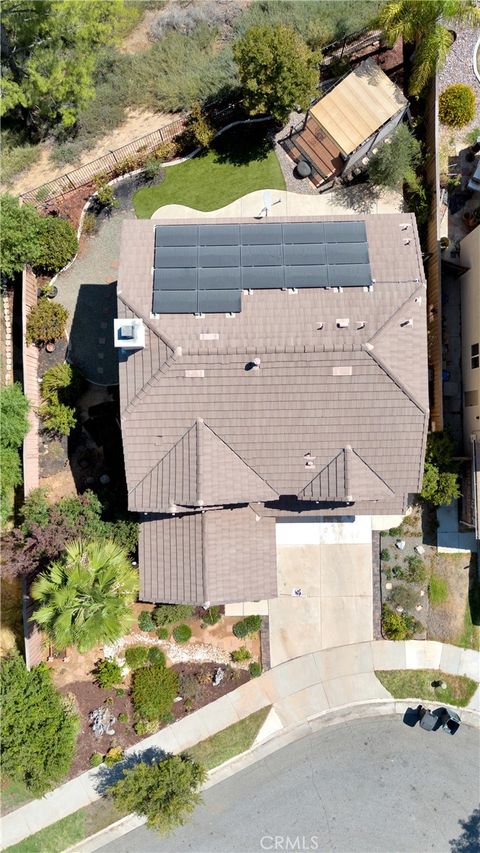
(56, 245)
(113, 756)
(456, 105)
(182, 633)
(397, 572)
(156, 656)
(240, 629)
(46, 321)
(437, 590)
(145, 621)
(405, 596)
(200, 127)
(163, 633)
(105, 196)
(253, 623)
(136, 656)
(122, 717)
(108, 673)
(119, 691)
(240, 654)
(57, 417)
(96, 759)
(154, 690)
(212, 615)
(56, 378)
(188, 686)
(167, 614)
(255, 669)
(414, 572)
(89, 223)
(397, 626)
(385, 555)
(152, 168)
(165, 151)
(395, 531)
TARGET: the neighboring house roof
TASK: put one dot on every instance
(334, 415)
(217, 556)
(358, 106)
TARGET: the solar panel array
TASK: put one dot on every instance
(204, 268)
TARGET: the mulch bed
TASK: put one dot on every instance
(88, 696)
(70, 205)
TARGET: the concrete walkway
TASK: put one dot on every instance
(300, 689)
(344, 200)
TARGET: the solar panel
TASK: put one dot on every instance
(345, 232)
(350, 275)
(347, 253)
(175, 279)
(219, 301)
(203, 268)
(175, 301)
(176, 235)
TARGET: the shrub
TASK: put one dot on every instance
(145, 621)
(240, 629)
(151, 168)
(156, 656)
(105, 196)
(255, 669)
(165, 792)
(456, 106)
(182, 633)
(37, 730)
(440, 479)
(437, 590)
(395, 163)
(200, 127)
(46, 321)
(212, 615)
(136, 656)
(165, 151)
(163, 633)
(153, 692)
(397, 572)
(113, 756)
(405, 596)
(96, 759)
(11, 469)
(189, 685)
(14, 408)
(240, 654)
(56, 245)
(56, 378)
(253, 623)
(122, 717)
(167, 614)
(57, 417)
(395, 531)
(89, 223)
(107, 673)
(397, 626)
(385, 555)
(119, 691)
(414, 571)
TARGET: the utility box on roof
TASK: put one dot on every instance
(129, 334)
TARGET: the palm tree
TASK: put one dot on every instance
(85, 598)
(424, 25)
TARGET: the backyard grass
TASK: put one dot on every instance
(85, 822)
(417, 684)
(242, 161)
(437, 590)
(230, 741)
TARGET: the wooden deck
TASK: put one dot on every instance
(313, 145)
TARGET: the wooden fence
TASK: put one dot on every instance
(108, 164)
(33, 639)
(433, 265)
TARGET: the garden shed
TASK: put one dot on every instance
(344, 126)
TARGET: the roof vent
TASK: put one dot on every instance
(172, 507)
(343, 370)
(254, 364)
(230, 315)
(320, 327)
(360, 325)
(343, 323)
(418, 300)
(293, 290)
(198, 315)
(405, 323)
(406, 241)
(194, 374)
(404, 226)
(209, 336)
(129, 334)
(309, 460)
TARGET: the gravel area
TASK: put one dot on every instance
(190, 652)
(293, 184)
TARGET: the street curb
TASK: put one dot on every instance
(278, 740)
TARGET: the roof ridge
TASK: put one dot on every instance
(367, 464)
(389, 321)
(397, 381)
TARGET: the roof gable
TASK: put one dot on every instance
(346, 478)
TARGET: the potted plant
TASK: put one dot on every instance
(444, 242)
(49, 290)
(46, 323)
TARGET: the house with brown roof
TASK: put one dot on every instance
(272, 369)
(348, 123)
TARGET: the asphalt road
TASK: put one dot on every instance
(369, 785)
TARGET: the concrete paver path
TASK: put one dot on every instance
(299, 690)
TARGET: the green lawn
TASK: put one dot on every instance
(437, 590)
(242, 161)
(85, 822)
(417, 684)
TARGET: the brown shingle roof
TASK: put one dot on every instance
(346, 478)
(216, 556)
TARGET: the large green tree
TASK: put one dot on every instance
(86, 598)
(37, 729)
(277, 71)
(165, 792)
(440, 478)
(49, 52)
(46, 243)
(424, 25)
(395, 163)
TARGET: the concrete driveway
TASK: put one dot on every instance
(331, 564)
